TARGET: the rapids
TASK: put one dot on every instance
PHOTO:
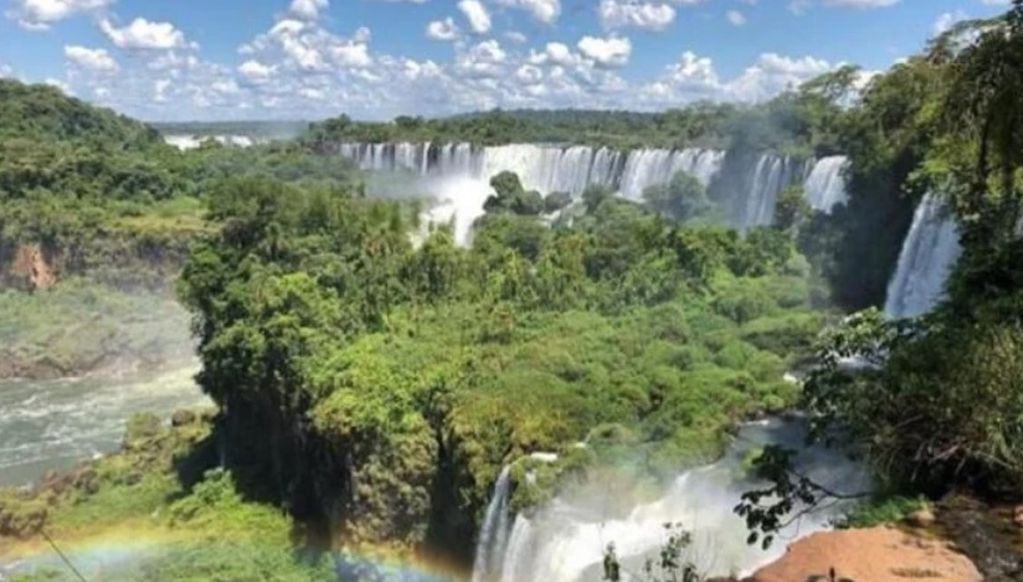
(54, 424)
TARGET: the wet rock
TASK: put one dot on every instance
(183, 418)
(923, 518)
(986, 534)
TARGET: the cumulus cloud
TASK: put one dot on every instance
(308, 9)
(143, 34)
(773, 73)
(613, 51)
(947, 20)
(444, 30)
(735, 18)
(625, 13)
(92, 59)
(485, 59)
(476, 13)
(545, 11)
(861, 3)
(41, 14)
(255, 71)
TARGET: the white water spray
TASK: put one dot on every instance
(565, 540)
(825, 187)
(928, 255)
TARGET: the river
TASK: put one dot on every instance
(54, 424)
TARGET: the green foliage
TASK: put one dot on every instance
(884, 511)
(512, 197)
(792, 209)
(79, 326)
(683, 198)
(704, 124)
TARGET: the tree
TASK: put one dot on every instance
(792, 210)
(510, 196)
(683, 198)
(985, 102)
(556, 201)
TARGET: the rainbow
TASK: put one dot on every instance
(120, 554)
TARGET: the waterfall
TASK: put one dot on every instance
(648, 167)
(549, 168)
(825, 187)
(493, 537)
(458, 175)
(545, 168)
(564, 540)
(928, 255)
(771, 174)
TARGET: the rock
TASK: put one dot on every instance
(923, 517)
(183, 417)
(880, 554)
(1017, 515)
(31, 266)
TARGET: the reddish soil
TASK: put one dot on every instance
(880, 554)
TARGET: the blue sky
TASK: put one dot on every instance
(374, 59)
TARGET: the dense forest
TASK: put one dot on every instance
(372, 378)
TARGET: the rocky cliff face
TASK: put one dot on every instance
(29, 267)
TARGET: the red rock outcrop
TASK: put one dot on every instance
(30, 265)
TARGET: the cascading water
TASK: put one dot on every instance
(458, 175)
(645, 168)
(565, 540)
(770, 176)
(825, 187)
(928, 255)
(494, 532)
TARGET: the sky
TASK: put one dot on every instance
(181, 60)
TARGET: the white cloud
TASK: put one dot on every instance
(41, 14)
(529, 74)
(861, 3)
(476, 13)
(313, 93)
(485, 59)
(613, 51)
(255, 71)
(308, 9)
(6, 72)
(801, 6)
(63, 86)
(773, 73)
(735, 18)
(624, 13)
(442, 29)
(352, 54)
(545, 11)
(160, 87)
(143, 34)
(92, 59)
(516, 36)
(947, 20)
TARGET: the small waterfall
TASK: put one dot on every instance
(770, 176)
(825, 187)
(564, 540)
(493, 539)
(928, 255)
